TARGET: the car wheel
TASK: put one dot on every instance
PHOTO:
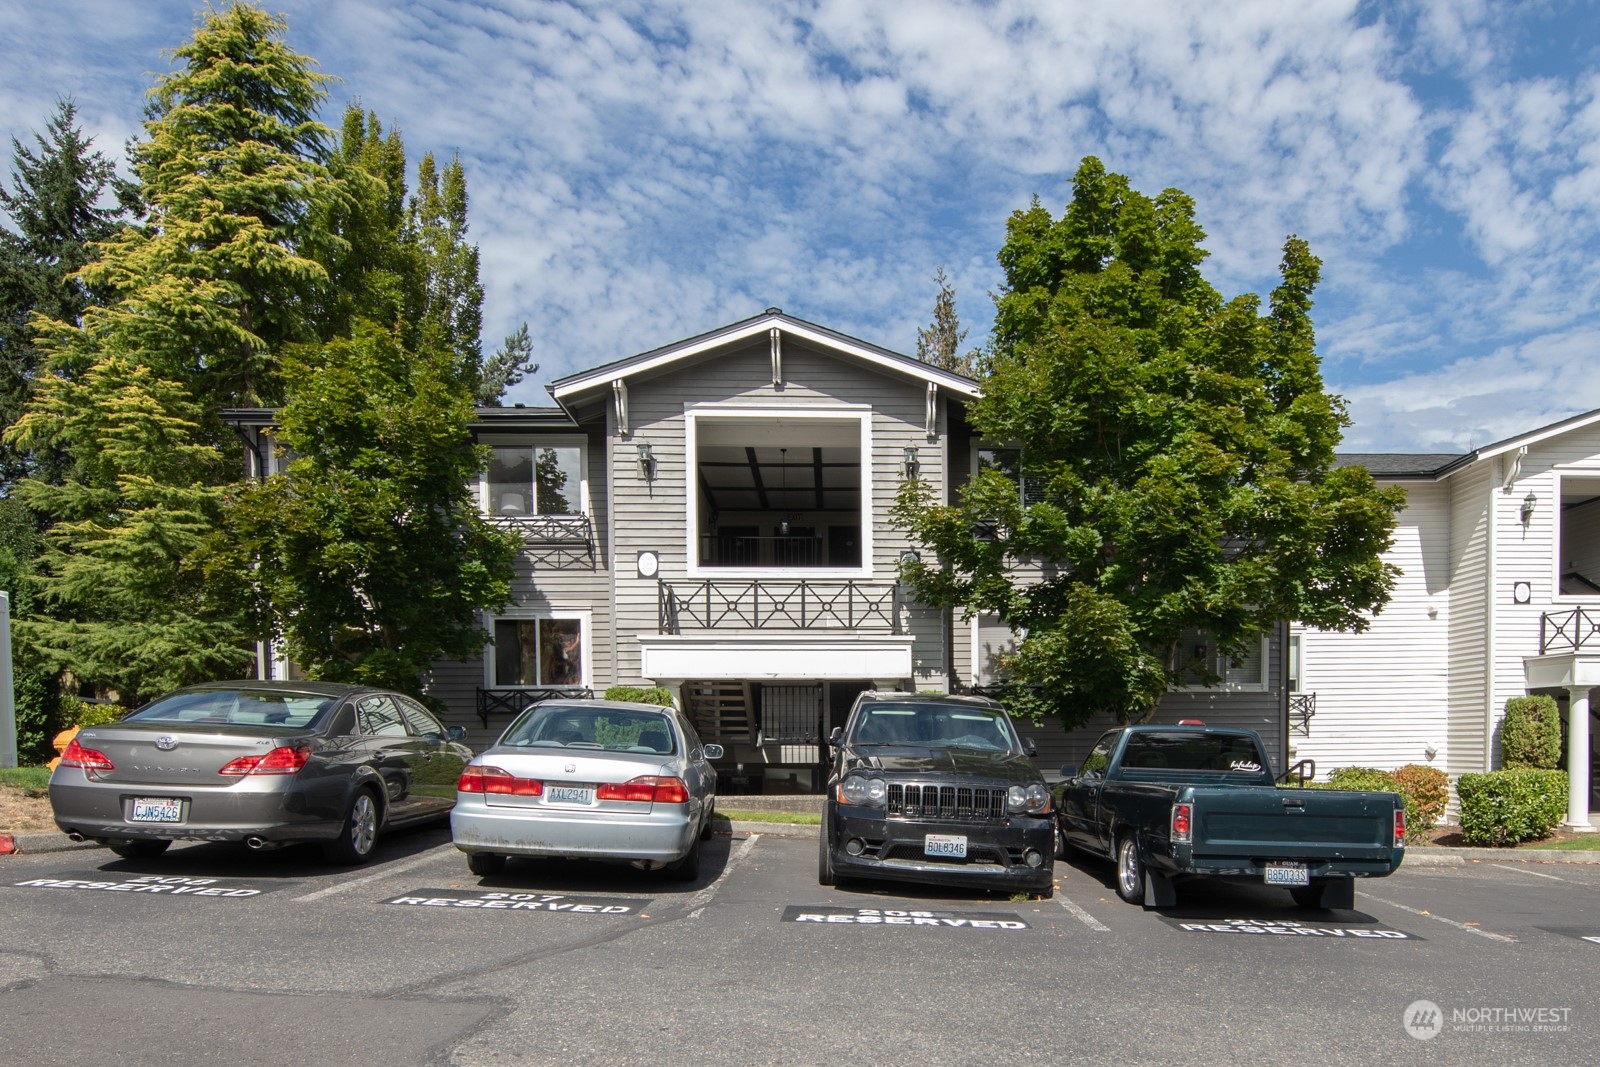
(705, 827)
(1130, 870)
(485, 863)
(688, 868)
(1060, 841)
(359, 833)
(135, 850)
(825, 875)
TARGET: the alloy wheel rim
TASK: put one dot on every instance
(363, 824)
(1125, 868)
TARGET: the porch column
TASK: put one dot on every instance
(1578, 760)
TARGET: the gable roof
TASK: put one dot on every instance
(1430, 466)
(574, 384)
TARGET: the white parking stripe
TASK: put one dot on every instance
(699, 901)
(1523, 870)
(376, 876)
(1441, 919)
(1082, 916)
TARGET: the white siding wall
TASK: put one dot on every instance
(1383, 695)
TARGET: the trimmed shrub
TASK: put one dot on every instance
(637, 694)
(1504, 808)
(1426, 791)
(75, 712)
(1530, 734)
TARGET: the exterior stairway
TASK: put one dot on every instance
(723, 712)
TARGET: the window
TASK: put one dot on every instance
(1008, 461)
(1197, 655)
(532, 652)
(379, 717)
(540, 479)
(992, 641)
(421, 721)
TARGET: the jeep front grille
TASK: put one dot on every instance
(946, 802)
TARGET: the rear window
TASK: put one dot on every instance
(573, 726)
(935, 725)
(237, 707)
(1192, 752)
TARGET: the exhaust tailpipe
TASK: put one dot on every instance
(75, 837)
(259, 843)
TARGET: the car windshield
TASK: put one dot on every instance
(571, 726)
(936, 725)
(1192, 752)
(237, 707)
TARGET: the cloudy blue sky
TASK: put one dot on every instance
(642, 172)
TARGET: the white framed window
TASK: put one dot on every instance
(537, 650)
(807, 510)
(1007, 459)
(992, 639)
(548, 476)
(1197, 653)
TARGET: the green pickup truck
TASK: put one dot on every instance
(1170, 803)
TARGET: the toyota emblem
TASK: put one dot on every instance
(166, 742)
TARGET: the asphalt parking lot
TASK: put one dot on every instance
(212, 954)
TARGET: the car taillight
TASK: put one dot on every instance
(1399, 828)
(648, 788)
(1182, 823)
(75, 755)
(285, 759)
(499, 782)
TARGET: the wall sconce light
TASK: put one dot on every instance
(911, 466)
(1430, 752)
(1529, 502)
(647, 461)
(1521, 592)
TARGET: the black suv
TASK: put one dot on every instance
(929, 788)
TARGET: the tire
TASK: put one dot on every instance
(825, 875)
(485, 863)
(1059, 841)
(688, 868)
(138, 850)
(705, 827)
(359, 833)
(1130, 870)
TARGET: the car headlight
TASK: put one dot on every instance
(1033, 799)
(855, 789)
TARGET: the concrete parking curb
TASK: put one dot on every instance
(44, 841)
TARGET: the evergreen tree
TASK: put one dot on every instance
(940, 343)
(451, 316)
(1174, 463)
(57, 202)
(511, 362)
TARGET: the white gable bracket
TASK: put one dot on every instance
(777, 357)
(931, 417)
(619, 393)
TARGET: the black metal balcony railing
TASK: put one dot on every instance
(1301, 707)
(738, 550)
(1568, 631)
(551, 540)
(513, 701)
(794, 604)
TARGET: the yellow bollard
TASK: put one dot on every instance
(62, 740)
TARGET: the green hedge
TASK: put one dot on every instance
(1530, 733)
(1507, 807)
(636, 694)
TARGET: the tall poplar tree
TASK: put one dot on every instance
(1174, 462)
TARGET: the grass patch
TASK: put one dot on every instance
(791, 818)
(1581, 843)
(25, 777)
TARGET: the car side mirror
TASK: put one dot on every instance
(456, 733)
(837, 737)
(1069, 770)
(1029, 747)
(713, 751)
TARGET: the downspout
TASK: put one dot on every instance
(1283, 695)
(1491, 579)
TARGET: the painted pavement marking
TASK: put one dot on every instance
(376, 876)
(1440, 918)
(699, 901)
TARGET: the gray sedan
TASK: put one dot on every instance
(265, 763)
(589, 779)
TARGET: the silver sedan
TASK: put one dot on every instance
(589, 779)
(265, 763)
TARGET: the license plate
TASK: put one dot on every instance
(157, 809)
(569, 794)
(1288, 874)
(945, 845)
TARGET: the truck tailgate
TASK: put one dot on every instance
(1293, 823)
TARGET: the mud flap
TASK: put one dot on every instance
(1339, 893)
(1158, 890)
